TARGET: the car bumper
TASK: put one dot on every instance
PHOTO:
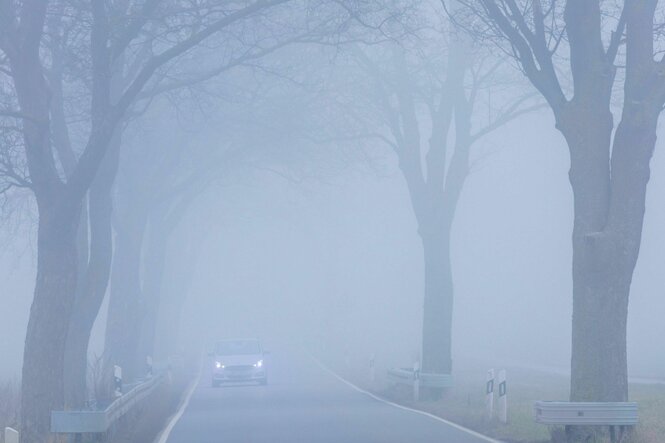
(238, 375)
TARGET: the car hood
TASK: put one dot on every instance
(237, 360)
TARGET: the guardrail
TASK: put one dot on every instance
(79, 422)
(11, 435)
(586, 413)
(408, 376)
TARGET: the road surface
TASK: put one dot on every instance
(302, 403)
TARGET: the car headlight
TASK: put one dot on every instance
(219, 365)
(258, 364)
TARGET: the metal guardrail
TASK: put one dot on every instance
(78, 422)
(407, 376)
(586, 413)
(11, 435)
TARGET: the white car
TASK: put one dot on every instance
(238, 360)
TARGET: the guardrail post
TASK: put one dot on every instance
(117, 381)
(503, 398)
(148, 366)
(489, 394)
(416, 381)
(11, 435)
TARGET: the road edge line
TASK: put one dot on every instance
(405, 408)
(164, 435)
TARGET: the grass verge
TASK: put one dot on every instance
(465, 404)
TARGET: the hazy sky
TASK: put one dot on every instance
(290, 260)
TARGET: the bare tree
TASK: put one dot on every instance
(417, 91)
(609, 168)
(59, 199)
(134, 301)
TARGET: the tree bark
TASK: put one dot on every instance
(609, 188)
(43, 360)
(94, 283)
(438, 301)
(57, 268)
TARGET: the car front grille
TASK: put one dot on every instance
(239, 368)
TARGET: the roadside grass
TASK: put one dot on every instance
(651, 403)
(465, 403)
(9, 405)
(140, 426)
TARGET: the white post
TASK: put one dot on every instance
(117, 381)
(489, 394)
(503, 399)
(372, 369)
(416, 381)
(11, 435)
(148, 365)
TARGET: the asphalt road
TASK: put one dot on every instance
(302, 403)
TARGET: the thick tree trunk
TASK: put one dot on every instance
(94, 282)
(43, 359)
(590, 179)
(438, 302)
(122, 325)
(57, 267)
(88, 302)
(609, 200)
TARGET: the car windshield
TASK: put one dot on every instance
(237, 347)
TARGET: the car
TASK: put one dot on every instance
(238, 360)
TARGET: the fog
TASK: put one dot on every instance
(446, 187)
(341, 258)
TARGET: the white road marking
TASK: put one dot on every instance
(405, 408)
(164, 436)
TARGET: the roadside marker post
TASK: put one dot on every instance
(11, 435)
(148, 366)
(117, 381)
(503, 398)
(416, 381)
(489, 394)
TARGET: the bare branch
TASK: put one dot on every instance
(529, 49)
(133, 28)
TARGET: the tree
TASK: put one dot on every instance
(414, 90)
(609, 165)
(166, 192)
(151, 201)
(59, 200)
(94, 278)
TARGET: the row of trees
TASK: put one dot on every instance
(410, 76)
(78, 74)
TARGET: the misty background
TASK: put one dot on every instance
(337, 257)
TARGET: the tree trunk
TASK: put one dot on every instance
(88, 301)
(43, 358)
(90, 295)
(122, 325)
(57, 267)
(609, 214)
(438, 302)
